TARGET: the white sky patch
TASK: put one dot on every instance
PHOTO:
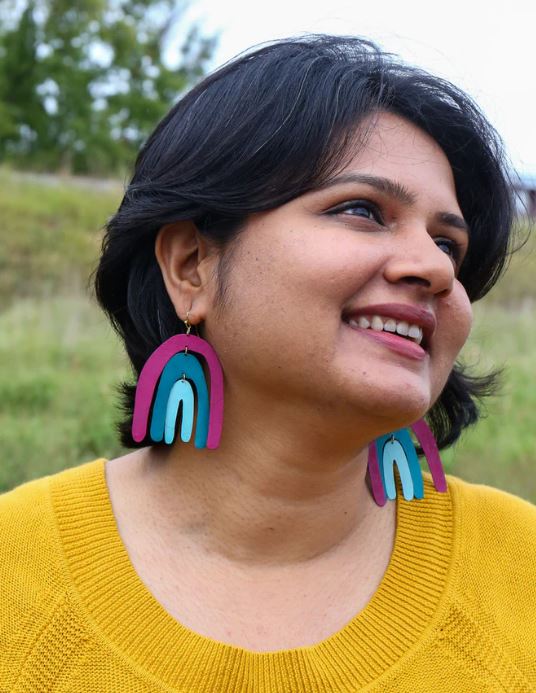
(487, 49)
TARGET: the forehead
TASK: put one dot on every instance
(391, 146)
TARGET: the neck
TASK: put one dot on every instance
(265, 499)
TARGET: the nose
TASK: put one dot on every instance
(416, 259)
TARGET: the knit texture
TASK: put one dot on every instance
(455, 611)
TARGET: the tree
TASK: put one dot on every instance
(82, 84)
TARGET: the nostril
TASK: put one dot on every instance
(418, 280)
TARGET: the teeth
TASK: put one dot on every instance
(378, 323)
(415, 332)
(402, 328)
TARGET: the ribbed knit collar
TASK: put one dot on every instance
(134, 623)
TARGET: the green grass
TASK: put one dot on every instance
(501, 449)
(49, 235)
(60, 361)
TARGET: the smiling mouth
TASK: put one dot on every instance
(400, 328)
(390, 333)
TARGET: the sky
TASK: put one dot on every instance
(486, 48)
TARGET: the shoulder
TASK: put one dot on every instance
(31, 577)
(490, 514)
(27, 512)
(28, 543)
(32, 567)
(37, 599)
(495, 558)
(23, 509)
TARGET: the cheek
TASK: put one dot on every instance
(460, 316)
(301, 270)
(455, 317)
(286, 296)
(259, 310)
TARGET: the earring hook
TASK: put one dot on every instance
(188, 328)
(187, 322)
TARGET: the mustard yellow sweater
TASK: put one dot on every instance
(455, 612)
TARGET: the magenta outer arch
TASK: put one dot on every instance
(376, 482)
(429, 446)
(151, 372)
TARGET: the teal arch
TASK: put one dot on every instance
(172, 372)
(180, 392)
(405, 440)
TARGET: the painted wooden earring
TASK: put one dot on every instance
(165, 383)
(398, 448)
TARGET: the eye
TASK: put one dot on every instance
(359, 208)
(453, 248)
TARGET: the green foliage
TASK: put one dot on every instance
(82, 85)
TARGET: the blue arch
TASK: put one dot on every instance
(175, 367)
(180, 392)
(394, 452)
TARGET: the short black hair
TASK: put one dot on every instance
(268, 126)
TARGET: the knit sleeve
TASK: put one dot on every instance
(31, 579)
(497, 568)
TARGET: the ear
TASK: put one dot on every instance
(186, 265)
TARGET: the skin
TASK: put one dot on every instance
(281, 507)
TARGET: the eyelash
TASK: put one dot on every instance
(455, 247)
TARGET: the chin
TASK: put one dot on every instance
(400, 408)
(382, 393)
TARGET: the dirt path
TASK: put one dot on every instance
(56, 180)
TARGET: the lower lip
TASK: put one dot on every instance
(394, 342)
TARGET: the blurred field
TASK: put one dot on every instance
(59, 359)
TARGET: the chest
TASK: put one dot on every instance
(260, 610)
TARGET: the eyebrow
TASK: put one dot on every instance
(398, 192)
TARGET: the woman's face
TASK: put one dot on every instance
(390, 232)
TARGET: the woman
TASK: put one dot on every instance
(316, 219)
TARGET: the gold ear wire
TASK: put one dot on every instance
(187, 322)
(188, 328)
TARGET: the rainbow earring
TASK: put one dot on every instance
(166, 383)
(398, 447)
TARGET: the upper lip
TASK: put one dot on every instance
(414, 315)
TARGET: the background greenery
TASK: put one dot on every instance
(59, 359)
(82, 84)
